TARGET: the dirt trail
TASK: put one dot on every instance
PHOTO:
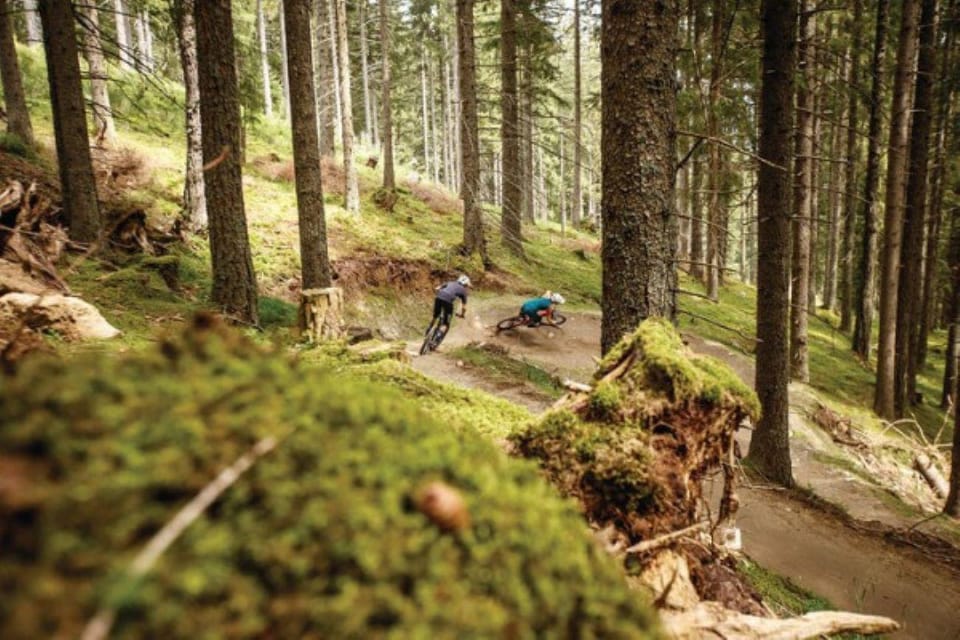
(856, 571)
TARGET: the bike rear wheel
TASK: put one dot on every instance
(511, 323)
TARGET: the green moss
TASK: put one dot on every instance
(497, 365)
(321, 538)
(666, 369)
(786, 597)
(605, 401)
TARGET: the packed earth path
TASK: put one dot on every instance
(855, 567)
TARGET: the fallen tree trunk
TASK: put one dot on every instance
(711, 619)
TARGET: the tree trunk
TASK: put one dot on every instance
(124, 46)
(434, 134)
(386, 128)
(424, 119)
(148, 41)
(328, 87)
(32, 18)
(952, 507)
(93, 51)
(937, 187)
(265, 59)
(911, 258)
(234, 283)
(850, 173)
(509, 130)
(770, 444)
(639, 97)
(948, 397)
(885, 399)
(526, 134)
(867, 268)
(697, 255)
(365, 72)
(577, 197)
(352, 199)
(314, 263)
(194, 200)
(802, 197)
(284, 72)
(714, 170)
(18, 116)
(834, 186)
(816, 149)
(77, 185)
(473, 240)
(140, 36)
(335, 63)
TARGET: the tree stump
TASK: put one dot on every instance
(321, 313)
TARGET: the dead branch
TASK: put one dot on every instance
(660, 541)
(931, 474)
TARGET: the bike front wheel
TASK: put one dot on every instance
(511, 323)
(559, 319)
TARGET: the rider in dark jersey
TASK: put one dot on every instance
(446, 295)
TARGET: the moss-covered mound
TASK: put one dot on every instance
(334, 534)
(635, 450)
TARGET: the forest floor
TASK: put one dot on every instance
(837, 538)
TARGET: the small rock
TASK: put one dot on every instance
(460, 364)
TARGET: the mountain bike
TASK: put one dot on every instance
(523, 320)
(434, 335)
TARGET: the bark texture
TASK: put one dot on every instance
(850, 173)
(194, 198)
(884, 402)
(803, 205)
(386, 116)
(314, 262)
(264, 60)
(18, 116)
(576, 212)
(473, 238)
(103, 125)
(770, 445)
(352, 197)
(78, 187)
(234, 283)
(638, 93)
(509, 129)
(327, 87)
(911, 259)
(32, 19)
(866, 272)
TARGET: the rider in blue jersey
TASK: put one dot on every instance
(541, 309)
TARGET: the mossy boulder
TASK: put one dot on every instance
(636, 448)
(327, 536)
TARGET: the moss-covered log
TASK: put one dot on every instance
(353, 527)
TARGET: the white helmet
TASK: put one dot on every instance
(556, 298)
(464, 280)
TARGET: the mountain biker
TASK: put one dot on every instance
(447, 293)
(541, 309)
